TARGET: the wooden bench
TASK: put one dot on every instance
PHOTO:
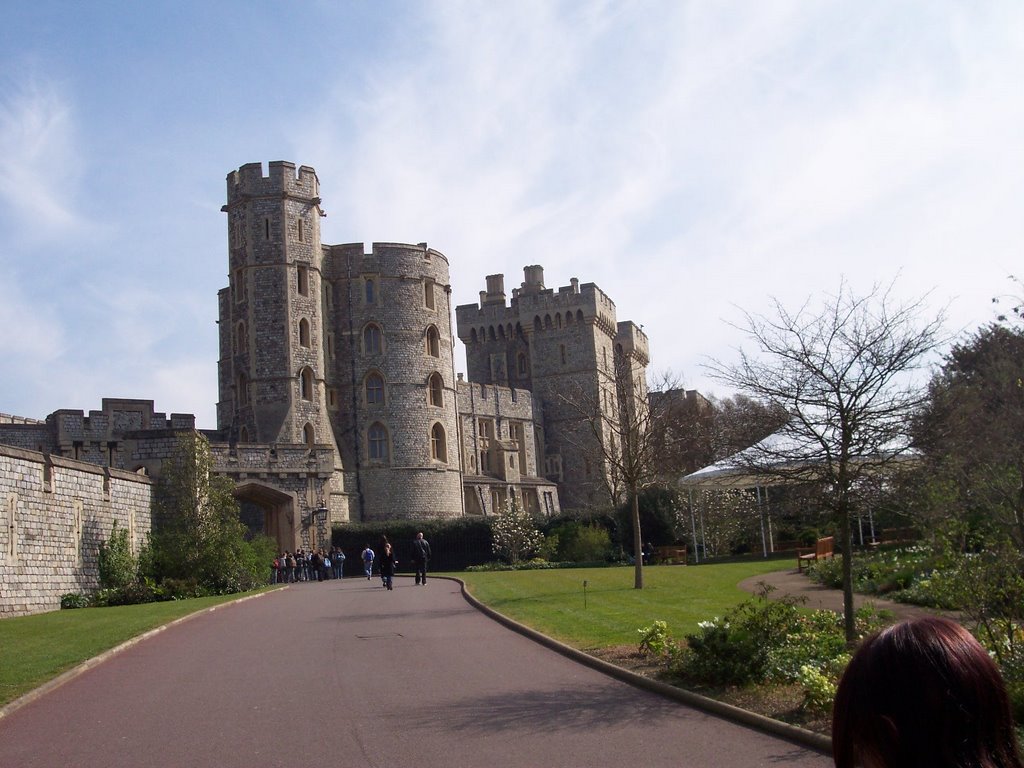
(667, 555)
(823, 548)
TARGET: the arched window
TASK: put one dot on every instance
(522, 363)
(241, 339)
(303, 280)
(438, 447)
(306, 380)
(377, 442)
(309, 435)
(372, 340)
(304, 332)
(242, 385)
(547, 321)
(436, 387)
(537, 325)
(433, 342)
(558, 320)
(374, 389)
(561, 350)
(370, 292)
(472, 335)
(579, 315)
(428, 294)
(243, 436)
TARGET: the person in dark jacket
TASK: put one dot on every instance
(387, 565)
(420, 557)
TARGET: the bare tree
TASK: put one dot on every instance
(842, 372)
(617, 434)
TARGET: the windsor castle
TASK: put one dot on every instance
(338, 397)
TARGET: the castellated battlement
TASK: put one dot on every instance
(250, 181)
(395, 259)
(633, 340)
(532, 301)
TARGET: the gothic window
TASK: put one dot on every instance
(241, 340)
(332, 398)
(522, 364)
(309, 435)
(537, 325)
(374, 389)
(306, 379)
(579, 315)
(558, 320)
(304, 332)
(561, 350)
(372, 343)
(547, 321)
(428, 294)
(377, 442)
(438, 445)
(303, 280)
(568, 319)
(239, 285)
(433, 342)
(242, 385)
(243, 436)
(436, 386)
(369, 289)
(472, 336)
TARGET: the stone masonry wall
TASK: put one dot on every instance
(55, 512)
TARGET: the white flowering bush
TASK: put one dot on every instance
(514, 535)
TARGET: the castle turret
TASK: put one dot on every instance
(272, 361)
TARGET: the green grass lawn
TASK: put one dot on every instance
(35, 649)
(552, 601)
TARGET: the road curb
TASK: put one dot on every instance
(787, 731)
(88, 664)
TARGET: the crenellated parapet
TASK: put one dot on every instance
(249, 182)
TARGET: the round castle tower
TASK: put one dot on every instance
(272, 360)
(391, 381)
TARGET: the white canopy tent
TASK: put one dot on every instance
(795, 463)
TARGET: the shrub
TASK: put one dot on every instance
(74, 600)
(117, 565)
(656, 640)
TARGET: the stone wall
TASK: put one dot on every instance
(55, 512)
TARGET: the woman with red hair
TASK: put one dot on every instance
(923, 693)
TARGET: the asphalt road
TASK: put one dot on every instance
(349, 674)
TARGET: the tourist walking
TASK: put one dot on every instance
(420, 557)
(387, 566)
(367, 556)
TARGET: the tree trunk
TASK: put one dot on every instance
(638, 554)
(846, 541)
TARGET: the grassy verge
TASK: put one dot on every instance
(553, 601)
(35, 649)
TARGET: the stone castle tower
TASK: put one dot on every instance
(344, 352)
(566, 347)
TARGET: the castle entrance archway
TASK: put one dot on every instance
(271, 511)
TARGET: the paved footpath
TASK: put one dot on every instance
(348, 674)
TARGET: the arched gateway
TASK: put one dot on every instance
(271, 511)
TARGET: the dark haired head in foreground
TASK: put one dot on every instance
(923, 693)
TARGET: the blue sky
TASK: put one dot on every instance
(691, 158)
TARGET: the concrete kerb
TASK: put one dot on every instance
(74, 672)
(787, 731)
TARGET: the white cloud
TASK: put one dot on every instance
(40, 163)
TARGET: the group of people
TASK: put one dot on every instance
(387, 562)
(317, 565)
(313, 565)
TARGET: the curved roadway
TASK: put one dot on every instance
(344, 673)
